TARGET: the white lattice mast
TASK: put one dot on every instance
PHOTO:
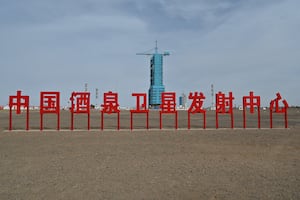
(85, 87)
(97, 95)
(212, 95)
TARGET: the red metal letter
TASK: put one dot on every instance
(49, 103)
(251, 101)
(110, 105)
(196, 107)
(168, 106)
(141, 107)
(18, 102)
(275, 108)
(80, 104)
(224, 105)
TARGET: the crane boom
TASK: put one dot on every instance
(147, 54)
(166, 53)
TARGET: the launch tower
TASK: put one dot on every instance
(156, 77)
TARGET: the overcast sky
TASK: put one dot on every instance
(237, 45)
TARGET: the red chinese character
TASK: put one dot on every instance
(196, 107)
(49, 103)
(110, 105)
(141, 107)
(275, 108)
(18, 102)
(80, 104)
(168, 106)
(252, 102)
(224, 105)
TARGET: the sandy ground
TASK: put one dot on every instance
(155, 164)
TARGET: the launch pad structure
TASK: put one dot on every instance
(156, 77)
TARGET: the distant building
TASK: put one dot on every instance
(183, 101)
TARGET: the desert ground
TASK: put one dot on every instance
(213, 163)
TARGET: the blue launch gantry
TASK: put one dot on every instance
(156, 77)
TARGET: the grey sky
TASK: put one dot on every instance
(237, 45)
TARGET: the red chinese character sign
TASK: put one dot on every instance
(18, 102)
(168, 106)
(80, 104)
(251, 102)
(110, 105)
(196, 107)
(141, 108)
(275, 108)
(49, 104)
(224, 105)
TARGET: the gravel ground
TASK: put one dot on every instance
(155, 164)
